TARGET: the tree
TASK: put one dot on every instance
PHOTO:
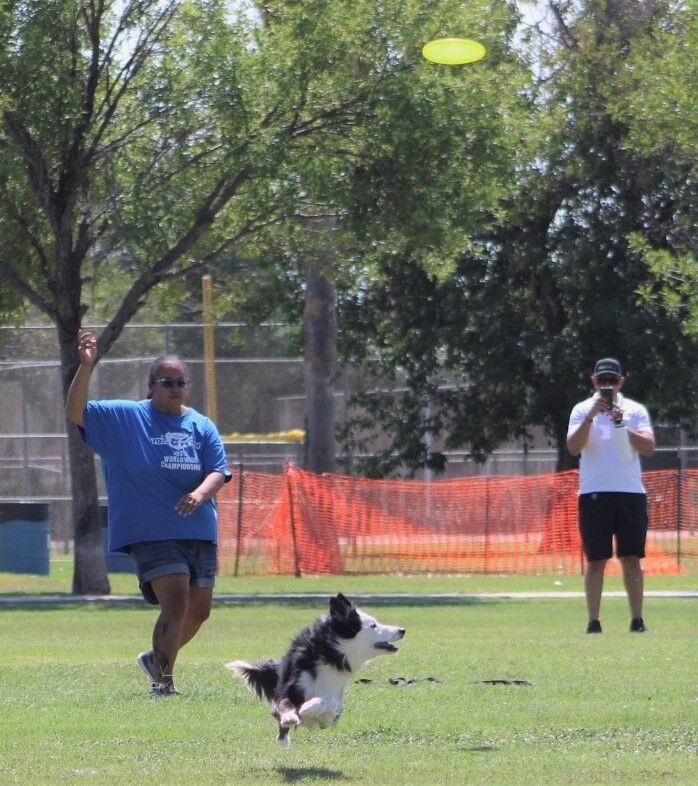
(661, 106)
(154, 138)
(508, 339)
(113, 146)
(661, 112)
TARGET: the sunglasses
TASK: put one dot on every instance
(608, 381)
(172, 383)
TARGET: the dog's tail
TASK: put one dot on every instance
(261, 678)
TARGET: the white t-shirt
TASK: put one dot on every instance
(608, 461)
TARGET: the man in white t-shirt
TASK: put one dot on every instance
(611, 432)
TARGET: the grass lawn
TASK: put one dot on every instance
(59, 581)
(618, 708)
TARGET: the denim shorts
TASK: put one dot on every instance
(156, 558)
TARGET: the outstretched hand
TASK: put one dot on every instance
(87, 347)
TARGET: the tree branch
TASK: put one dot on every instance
(28, 292)
(219, 196)
(73, 170)
(251, 226)
(33, 242)
(569, 39)
(139, 56)
(35, 161)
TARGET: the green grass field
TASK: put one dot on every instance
(60, 581)
(618, 708)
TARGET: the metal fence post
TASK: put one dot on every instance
(239, 522)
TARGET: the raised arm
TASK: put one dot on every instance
(77, 393)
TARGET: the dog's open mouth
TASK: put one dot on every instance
(385, 645)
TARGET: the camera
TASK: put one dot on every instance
(607, 395)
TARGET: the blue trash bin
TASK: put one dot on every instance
(117, 561)
(25, 535)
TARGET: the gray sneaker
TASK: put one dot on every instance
(147, 662)
(159, 690)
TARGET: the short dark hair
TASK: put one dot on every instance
(160, 361)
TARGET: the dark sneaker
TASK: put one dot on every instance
(637, 625)
(159, 690)
(594, 626)
(146, 661)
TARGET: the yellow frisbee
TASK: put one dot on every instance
(453, 51)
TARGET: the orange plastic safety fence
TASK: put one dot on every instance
(301, 523)
(247, 508)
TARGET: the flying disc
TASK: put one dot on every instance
(453, 51)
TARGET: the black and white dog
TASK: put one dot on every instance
(306, 685)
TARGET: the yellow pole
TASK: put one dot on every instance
(209, 350)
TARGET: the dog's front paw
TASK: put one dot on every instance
(310, 710)
(286, 714)
(321, 712)
(289, 719)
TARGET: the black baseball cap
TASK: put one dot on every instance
(608, 366)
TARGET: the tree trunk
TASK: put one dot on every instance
(90, 568)
(320, 356)
(565, 460)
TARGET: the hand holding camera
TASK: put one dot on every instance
(614, 412)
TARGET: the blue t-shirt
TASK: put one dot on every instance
(150, 459)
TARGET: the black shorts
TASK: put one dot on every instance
(604, 514)
(155, 558)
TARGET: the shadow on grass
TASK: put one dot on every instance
(300, 774)
(481, 748)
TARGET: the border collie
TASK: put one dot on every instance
(306, 685)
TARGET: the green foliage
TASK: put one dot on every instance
(506, 337)
(483, 255)
(661, 112)
(661, 105)
(228, 125)
(675, 284)
(12, 309)
(142, 144)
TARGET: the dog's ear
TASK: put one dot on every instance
(343, 599)
(340, 605)
(345, 619)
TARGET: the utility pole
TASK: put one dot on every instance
(209, 349)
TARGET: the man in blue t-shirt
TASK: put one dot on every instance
(163, 463)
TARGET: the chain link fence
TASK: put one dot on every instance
(260, 390)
